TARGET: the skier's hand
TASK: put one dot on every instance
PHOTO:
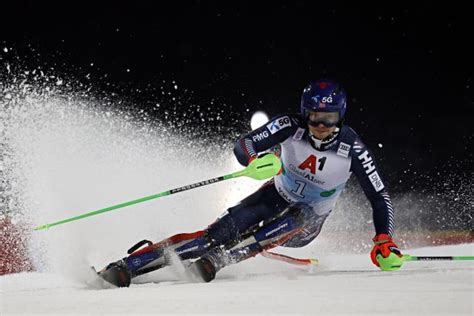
(383, 245)
(264, 154)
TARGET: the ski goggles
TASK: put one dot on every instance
(328, 119)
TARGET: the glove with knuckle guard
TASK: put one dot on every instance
(384, 246)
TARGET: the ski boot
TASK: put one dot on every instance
(116, 273)
(257, 239)
(203, 269)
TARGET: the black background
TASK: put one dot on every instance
(407, 66)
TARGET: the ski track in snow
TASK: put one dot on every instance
(341, 285)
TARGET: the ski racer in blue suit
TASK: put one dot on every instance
(318, 154)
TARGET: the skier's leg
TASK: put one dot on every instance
(261, 206)
(296, 226)
(313, 223)
(154, 256)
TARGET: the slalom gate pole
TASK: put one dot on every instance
(259, 169)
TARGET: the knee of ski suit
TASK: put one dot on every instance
(309, 221)
(223, 230)
(263, 205)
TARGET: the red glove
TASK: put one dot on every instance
(384, 245)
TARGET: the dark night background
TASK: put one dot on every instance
(407, 66)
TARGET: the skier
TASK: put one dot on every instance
(318, 154)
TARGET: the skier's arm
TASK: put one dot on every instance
(366, 171)
(265, 137)
(369, 177)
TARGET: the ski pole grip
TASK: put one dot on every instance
(264, 167)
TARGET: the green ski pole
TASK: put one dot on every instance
(259, 169)
(394, 262)
(436, 258)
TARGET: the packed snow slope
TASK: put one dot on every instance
(341, 285)
(64, 153)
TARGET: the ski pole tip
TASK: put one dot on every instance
(42, 227)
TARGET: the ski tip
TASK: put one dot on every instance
(288, 259)
(313, 261)
(97, 282)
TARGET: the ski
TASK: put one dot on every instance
(288, 259)
(95, 281)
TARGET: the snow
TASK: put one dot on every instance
(341, 285)
(69, 157)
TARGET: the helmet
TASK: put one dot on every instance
(323, 96)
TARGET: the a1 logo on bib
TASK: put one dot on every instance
(278, 124)
(311, 163)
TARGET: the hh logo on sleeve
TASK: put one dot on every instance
(369, 168)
